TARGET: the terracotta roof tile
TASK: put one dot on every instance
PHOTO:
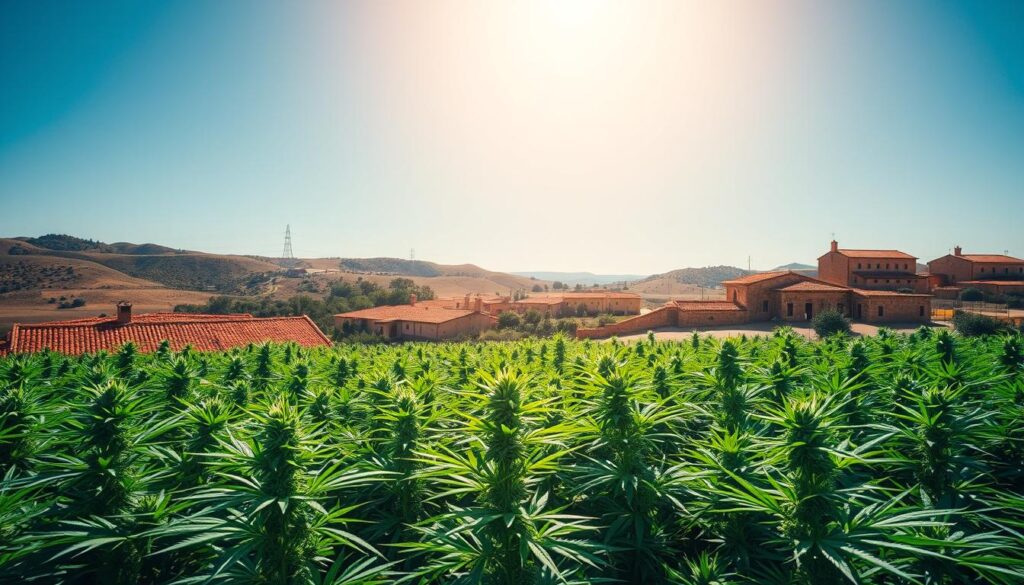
(707, 306)
(414, 313)
(884, 293)
(813, 286)
(759, 277)
(203, 332)
(875, 254)
(992, 259)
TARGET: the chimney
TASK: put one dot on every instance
(412, 299)
(124, 312)
(466, 304)
(958, 251)
(835, 246)
(478, 306)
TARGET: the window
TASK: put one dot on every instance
(789, 309)
(887, 266)
(905, 267)
(920, 311)
(854, 280)
(877, 266)
(764, 306)
(406, 326)
(886, 281)
(858, 266)
(881, 311)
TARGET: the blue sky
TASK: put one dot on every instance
(538, 135)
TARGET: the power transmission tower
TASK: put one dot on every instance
(288, 254)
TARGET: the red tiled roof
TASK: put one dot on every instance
(600, 294)
(541, 301)
(875, 254)
(885, 293)
(759, 277)
(203, 332)
(813, 286)
(707, 306)
(991, 259)
(414, 313)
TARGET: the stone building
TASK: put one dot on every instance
(871, 269)
(426, 321)
(571, 303)
(995, 274)
(787, 296)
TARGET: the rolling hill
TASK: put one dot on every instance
(35, 273)
(584, 278)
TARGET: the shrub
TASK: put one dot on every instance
(972, 324)
(508, 320)
(972, 295)
(830, 322)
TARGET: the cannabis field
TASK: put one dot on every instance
(893, 459)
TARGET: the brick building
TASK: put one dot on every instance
(871, 269)
(788, 296)
(427, 321)
(996, 274)
(592, 302)
(148, 331)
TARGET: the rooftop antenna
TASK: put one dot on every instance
(287, 254)
(748, 263)
(412, 253)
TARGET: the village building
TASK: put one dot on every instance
(148, 331)
(418, 321)
(788, 296)
(995, 274)
(492, 305)
(568, 304)
(872, 269)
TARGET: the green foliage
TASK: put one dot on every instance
(892, 459)
(343, 296)
(830, 322)
(508, 320)
(974, 324)
(972, 294)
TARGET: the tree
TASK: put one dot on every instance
(972, 324)
(581, 310)
(830, 322)
(533, 316)
(972, 295)
(508, 320)
(536, 288)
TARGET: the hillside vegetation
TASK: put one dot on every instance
(708, 277)
(888, 460)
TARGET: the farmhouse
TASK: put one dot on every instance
(991, 273)
(788, 296)
(871, 269)
(427, 321)
(572, 303)
(148, 331)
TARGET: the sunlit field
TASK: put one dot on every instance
(892, 459)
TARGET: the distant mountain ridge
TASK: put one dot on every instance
(795, 266)
(708, 276)
(585, 278)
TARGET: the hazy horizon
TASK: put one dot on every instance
(564, 136)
